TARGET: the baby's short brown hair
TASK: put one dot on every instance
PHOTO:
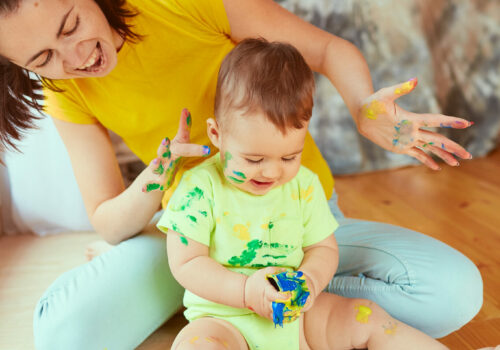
(267, 77)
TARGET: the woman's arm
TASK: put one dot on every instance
(116, 213)
(376, 115)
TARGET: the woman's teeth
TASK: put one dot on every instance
(91, 60)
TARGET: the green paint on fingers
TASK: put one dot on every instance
(188, 120)
(160, 170)
(152, 187)
(167, 154)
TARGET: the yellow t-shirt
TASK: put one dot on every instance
(175, 66)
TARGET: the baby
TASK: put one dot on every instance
(252, 210)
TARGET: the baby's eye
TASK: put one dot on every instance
(254, 161)
(288, 159)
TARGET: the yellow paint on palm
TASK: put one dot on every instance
(391, 329)
(406, 87)
(241, 231)
(373, 109)
(364, 313)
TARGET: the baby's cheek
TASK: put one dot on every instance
(235, 176)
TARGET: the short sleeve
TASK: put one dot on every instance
(189, 211)
(67, 106)
(318, 219)
(211, 14)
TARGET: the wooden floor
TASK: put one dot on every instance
(460, 206)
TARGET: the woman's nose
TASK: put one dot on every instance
(74, 55)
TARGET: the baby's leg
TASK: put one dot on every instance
(210, 334)
(335, 322)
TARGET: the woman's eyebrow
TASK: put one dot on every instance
(59, 32)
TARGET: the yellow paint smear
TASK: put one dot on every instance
(406, 87)
(364, 313)
(373, 110)
(193, 339)
(391, 330)
(241, 231)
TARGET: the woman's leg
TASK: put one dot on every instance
(113, 302)
(415, 278)
(339, 323)
(208, 333)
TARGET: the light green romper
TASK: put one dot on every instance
(246, 232)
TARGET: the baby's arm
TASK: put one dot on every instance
(319, 265)
(202, 275)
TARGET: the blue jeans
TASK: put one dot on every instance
(118, 299)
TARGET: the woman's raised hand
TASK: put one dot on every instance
(170, 154)
(382, 121)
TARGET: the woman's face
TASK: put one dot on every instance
(59, 39)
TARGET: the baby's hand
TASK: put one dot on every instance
(259, 293)
(166, 165)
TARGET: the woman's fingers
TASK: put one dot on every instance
(441, 121)
(444, 143)
(447, 157)
(391, 93)
(184, 131)
(189, 150)
(423, 157)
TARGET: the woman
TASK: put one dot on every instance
(131, 67)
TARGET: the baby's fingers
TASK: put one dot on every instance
(164, 149)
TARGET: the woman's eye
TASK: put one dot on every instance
(47, 59)
(75, 27)
(253, 161)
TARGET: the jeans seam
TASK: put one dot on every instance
(402, 261)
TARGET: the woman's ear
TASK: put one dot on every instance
(213, 132)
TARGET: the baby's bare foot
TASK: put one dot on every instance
(96, 248)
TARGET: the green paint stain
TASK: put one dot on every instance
(227, 158)
(184, 240)
(238, 181)
(192, 218)
(274, 256)
(204, 213)
(188, 120)
(194, 194)
(167, 154)
(239, 174)
(270, 225)
(247, 255)
(160, 170)
(152, 187)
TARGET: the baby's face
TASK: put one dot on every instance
(256, 156)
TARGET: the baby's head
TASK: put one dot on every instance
(263, 104)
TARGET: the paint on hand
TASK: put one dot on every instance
(167, 154)
(188, 120)
(402, 137)
(364, 313)
(206, 150)
(153, 187)
(194, 339)
(406, 87)
(227, 158)
(241, 231)
(428, 144)
(160, 170)
(373, 110)
(391, 329)
(294, 282)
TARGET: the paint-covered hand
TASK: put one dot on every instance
(260, 293)
(382, 121)
(170, 154)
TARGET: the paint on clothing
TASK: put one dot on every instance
(241, 231)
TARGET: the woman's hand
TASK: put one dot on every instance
(259, 293)
(170, 153)
(382, 121)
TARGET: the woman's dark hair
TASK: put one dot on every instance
(21, 91)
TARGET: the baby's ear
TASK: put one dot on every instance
(213, 132)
